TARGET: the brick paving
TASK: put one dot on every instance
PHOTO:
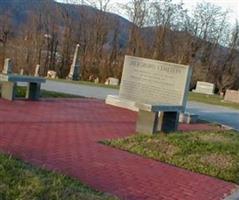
(63, 135)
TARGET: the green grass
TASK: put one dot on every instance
(86, 83)
(21, 181)
(21, 92)
(211, 99)
(211, 153)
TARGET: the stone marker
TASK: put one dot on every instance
(205, 88)
(232, 96)
(150, 86)
(37, 70)
(7, 69)
(51, 74)
(75, 66)
(96, 81)
(21, 71)
(112, 81)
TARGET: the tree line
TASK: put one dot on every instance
(204, 38)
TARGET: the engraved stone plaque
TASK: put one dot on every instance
(154, 82)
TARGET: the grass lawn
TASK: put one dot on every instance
(211, 153)
(22, 181)
(21, 92)
(211, 99)
(86, 83)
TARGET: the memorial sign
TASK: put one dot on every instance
(151, 86)
(153, 82)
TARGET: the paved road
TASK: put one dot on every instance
(77, 89)
(219, 114)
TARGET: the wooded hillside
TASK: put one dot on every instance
(46, 32)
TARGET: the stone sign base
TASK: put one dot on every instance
(115, 100)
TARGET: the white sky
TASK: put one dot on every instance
(232, 5)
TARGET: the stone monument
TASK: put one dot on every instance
(150, 87)
(7, 69)
(22, 71)
(37, 70)
(112, 81)
(51, 74)
(205, 88)
(75, 66)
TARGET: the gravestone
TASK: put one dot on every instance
(148, 86)
(37, 71)
(232, 96)
(21, 71)
(51, 74)
(112, 81)
(96, 81)
(7, 69)
(204, 88)
(75, 66)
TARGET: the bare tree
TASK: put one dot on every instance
(227, 76)
(165, 17)
(137, 13)
(5, 30)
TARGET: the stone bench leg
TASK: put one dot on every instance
(170, 122)
(147, 122)
(33, 91)
(151, 123)
(8, 90)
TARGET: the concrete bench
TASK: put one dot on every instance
(9, 84)
(154, 118)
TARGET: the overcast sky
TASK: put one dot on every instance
(232, 5)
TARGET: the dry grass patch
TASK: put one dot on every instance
(215, 138)
(162, 146)
(218, 160)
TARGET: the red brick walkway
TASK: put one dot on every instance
(63, 135)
